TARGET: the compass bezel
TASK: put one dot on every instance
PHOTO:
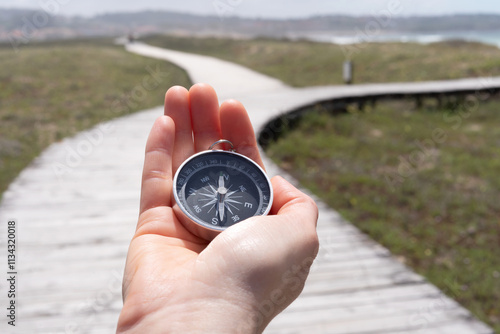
(208, 230)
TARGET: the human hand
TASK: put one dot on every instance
(176, 282)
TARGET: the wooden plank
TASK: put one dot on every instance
(352, 299)
(404, 320)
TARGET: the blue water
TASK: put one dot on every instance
(487, 37)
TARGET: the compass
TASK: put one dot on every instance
(217, 188)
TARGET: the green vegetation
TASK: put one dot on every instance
(53, 90)
(424, 183)
(306, 63)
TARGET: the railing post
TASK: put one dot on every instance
(348, 72)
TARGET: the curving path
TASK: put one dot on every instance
(76, 206)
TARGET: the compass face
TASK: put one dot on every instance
(217, 189)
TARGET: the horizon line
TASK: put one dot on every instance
(249, 17)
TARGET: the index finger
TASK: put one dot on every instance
(177, 107)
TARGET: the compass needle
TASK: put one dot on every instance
(221, 180)
(221, 210)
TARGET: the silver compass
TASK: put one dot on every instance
(216, 189)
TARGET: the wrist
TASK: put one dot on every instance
(196, 316)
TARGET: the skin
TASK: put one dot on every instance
(176, 282)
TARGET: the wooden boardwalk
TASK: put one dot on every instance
(76, 206)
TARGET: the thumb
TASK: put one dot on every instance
(288, 233)
(290, 201)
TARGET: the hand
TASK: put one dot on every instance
(176, 282)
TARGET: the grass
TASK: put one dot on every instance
(53, 90)
(306, 63)
(424, 183)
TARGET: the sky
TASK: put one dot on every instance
(262, 8)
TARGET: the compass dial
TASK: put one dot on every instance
(217, 189)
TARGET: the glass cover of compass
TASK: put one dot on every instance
(217, 189)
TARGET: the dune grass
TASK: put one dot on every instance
(49, 91)
(304, 63)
